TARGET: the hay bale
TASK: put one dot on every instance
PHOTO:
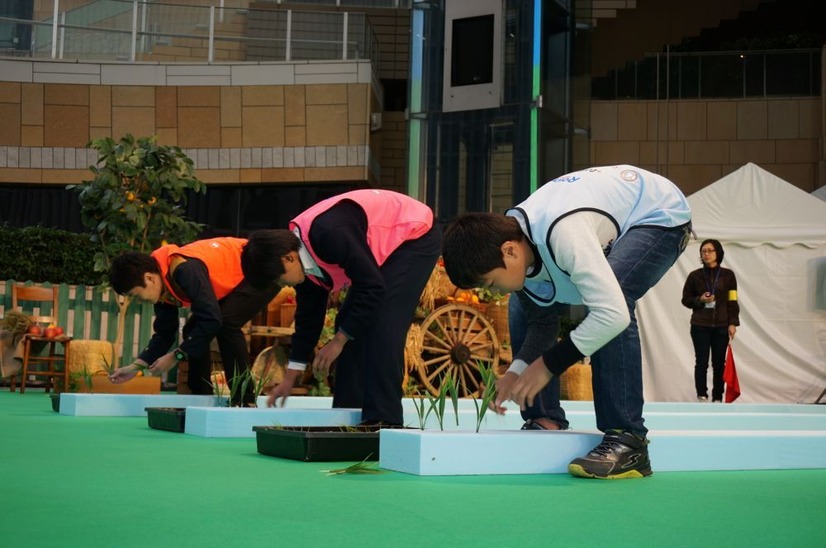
(575, 383)
(497, 313)
(91, 355)
(270, 366)
(412, 353)
(16, 322)
(431, 289)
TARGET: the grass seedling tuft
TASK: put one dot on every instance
(453, 390)
(488, 380)
(422, 413)
(362, 467)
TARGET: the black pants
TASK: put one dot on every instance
(237, 308)
(370, 369)
(707, 340)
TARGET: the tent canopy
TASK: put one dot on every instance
(751, 207)
(774, 236)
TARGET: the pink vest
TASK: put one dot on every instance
(392, 219)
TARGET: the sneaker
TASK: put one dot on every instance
(716, 401)
(702, 399)
(533, 424)
(621, 455)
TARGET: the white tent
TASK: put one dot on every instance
(774, 238)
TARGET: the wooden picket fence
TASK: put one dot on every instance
(91, 312)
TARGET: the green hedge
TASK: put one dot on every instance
(47, 255)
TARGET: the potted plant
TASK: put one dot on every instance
(135, 202)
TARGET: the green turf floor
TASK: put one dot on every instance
(114, 482)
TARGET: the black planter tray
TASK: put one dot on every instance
(319, 443)
(55, 402)
(172, 419)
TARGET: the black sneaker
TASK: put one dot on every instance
(621, 455)
(532, 424)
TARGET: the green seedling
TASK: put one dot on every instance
(239, 384)
(488, 392)
(218, 392)
(362, 467)
(453, 390)
(84, 376)
(108, 367)
(437, 403)
(421, 412)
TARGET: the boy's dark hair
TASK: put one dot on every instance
(261, 256)
(718, 248)
(128, 269)
(472, 246)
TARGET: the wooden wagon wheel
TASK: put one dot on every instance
(456, 339)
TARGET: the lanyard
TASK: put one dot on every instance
(711, 288)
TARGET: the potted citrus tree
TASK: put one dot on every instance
(135, 202)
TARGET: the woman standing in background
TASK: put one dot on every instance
(711, 293)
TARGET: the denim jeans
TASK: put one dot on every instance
(639, 259)
(546, 404)
(713, 340)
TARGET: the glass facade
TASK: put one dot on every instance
(487, 159)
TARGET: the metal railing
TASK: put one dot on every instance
(147, 31)
(734, 74)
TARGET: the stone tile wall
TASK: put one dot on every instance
(697, 142)
(299, 132)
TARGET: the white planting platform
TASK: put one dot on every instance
(125, 405)
(435, 453)
(237, 422)
(684, 437)
(456, 453)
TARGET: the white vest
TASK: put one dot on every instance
(628, 195)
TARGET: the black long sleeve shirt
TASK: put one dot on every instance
(338, 236)
(192, 278)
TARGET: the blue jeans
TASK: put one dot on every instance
(546, 404)
(639, 259)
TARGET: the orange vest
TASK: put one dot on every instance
(392, 219)
(222, 257)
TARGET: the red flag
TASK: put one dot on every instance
(730, 378)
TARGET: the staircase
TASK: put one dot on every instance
(627, 29)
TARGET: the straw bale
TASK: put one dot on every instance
(412, 352)
(575, 383)
(89, 354)
(16, 322)
(271, 361)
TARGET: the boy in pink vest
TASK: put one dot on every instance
(382, 246)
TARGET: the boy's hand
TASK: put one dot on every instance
(324, 358)
(123, 374)
(504, 385)
(529, 383)
(281, 391)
